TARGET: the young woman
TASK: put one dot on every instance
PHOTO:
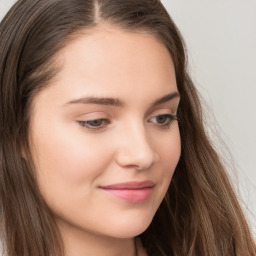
(103, 149)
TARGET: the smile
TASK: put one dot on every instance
(134, 192)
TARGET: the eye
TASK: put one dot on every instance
(164, 121)
(96, 124)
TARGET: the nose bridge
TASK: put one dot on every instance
(136, 148)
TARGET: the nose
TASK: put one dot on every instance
(135, 150)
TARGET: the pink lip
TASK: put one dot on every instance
(134, 192)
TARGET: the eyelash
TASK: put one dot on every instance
(166, 116)
(164, 125)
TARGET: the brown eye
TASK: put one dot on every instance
(164, 120)
(94, 124)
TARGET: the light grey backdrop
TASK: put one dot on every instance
(221, 40)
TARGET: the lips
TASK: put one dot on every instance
(134, 192)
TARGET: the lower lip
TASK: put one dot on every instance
(131, 195)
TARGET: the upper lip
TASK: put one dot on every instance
(131, 185)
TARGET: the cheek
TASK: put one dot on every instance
(169, 151)
(64, 159)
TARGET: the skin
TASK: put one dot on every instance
(73, 161)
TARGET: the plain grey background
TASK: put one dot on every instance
(221, 41)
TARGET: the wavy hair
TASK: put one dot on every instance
(200, 214)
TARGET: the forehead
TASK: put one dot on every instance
(107, 61)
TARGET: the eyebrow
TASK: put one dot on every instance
(117, 102)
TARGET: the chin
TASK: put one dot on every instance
(131, 228)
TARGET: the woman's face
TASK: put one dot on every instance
(103, 136)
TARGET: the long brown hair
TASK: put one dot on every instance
(199, 215)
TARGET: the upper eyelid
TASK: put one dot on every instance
(100, 115)
(160, 112)
(93, 116)
(107, 120)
